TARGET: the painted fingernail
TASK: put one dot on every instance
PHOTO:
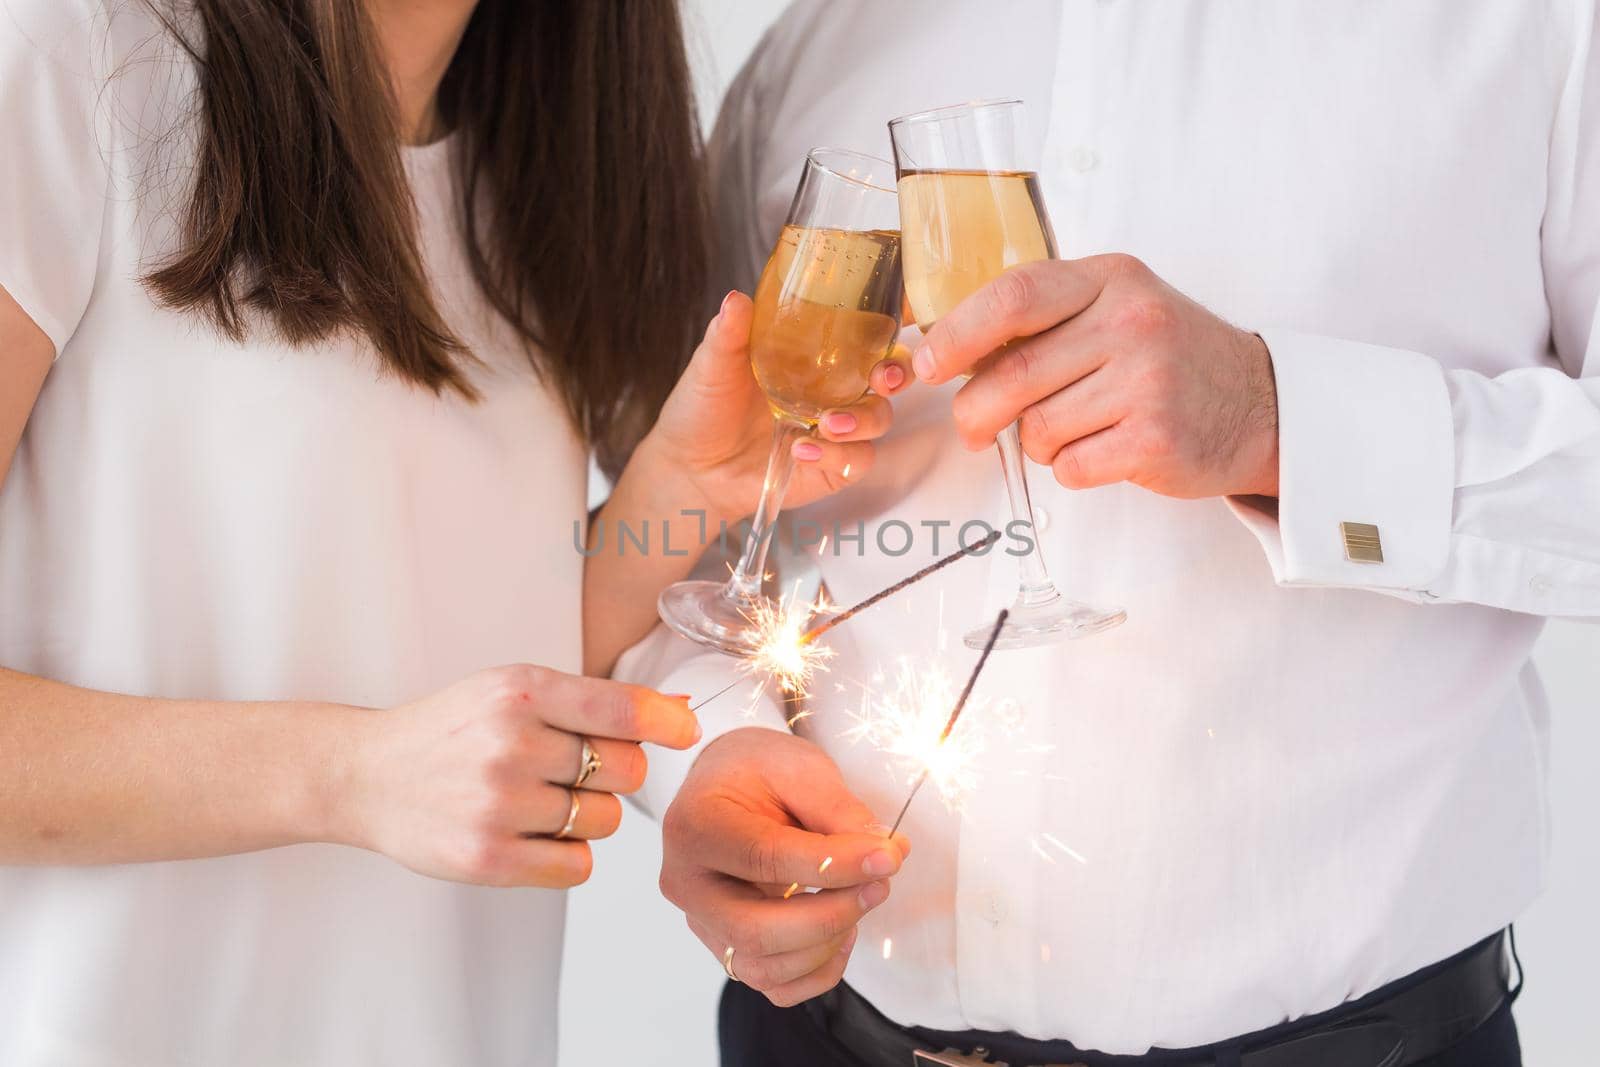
(839, 422)
(922, 362)
(894, 376)
(878, 864)
(873, 894)
(808, 451)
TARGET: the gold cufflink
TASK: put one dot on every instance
(1361, 542)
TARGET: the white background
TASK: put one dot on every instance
(640, 991)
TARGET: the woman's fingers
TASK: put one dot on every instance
(539, 861)
(593, 707)
(558, 756)
(549, 807)
(838, 463)
(864, 420)
(893, 372)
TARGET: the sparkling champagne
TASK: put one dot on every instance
(962, 228)
(826, 312)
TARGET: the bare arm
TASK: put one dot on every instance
(90, 777)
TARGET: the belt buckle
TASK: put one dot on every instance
(951, 1058)
(978, 1058)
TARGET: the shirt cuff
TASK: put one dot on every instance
(671, 664)
(1365, 439)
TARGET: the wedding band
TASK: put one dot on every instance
(587, 765)
(727, 964)
(572, 816)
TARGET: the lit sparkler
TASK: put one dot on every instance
(782, 644)
(936, 759)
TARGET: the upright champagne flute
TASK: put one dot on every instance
(970, 207)
(827, 309)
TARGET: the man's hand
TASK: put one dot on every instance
(1115, 376)
(760, 811)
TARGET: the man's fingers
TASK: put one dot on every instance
(1024, 301)
(1101, 458)
(753, 848)
(1086, 407)
(815, 793)
(756, 924)
(597, 708)
(814, 984)
(1021, 373)
(864, 420)
(767, 972)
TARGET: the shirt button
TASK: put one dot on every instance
(1539, 584)
(994, 908)
(1083, 159)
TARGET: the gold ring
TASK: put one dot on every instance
(572, 816)
(587, 765)
(727, 964)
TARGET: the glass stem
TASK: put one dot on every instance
(751, 571)
(1036, 587)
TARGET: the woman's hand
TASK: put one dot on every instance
(715, 429)
(471, 784)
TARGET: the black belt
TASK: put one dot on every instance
(1402, 1023)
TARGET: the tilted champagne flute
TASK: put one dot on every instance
(970, 207)
(827, 309)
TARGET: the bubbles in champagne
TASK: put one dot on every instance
(962, 228)
(826, 311)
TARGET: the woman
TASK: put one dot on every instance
(311, 312)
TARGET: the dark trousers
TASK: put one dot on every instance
(755, 1034)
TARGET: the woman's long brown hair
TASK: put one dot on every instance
(582, 200)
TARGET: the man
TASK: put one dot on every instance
(1284, 814)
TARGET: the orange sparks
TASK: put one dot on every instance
(905, 719)
(779, 648)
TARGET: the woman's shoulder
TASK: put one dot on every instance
(84, 40)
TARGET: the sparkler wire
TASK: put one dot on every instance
(955, 714)
(911, 579)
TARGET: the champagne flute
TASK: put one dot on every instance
(970, 207)
(827, 309)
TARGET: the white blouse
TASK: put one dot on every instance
(190, 517)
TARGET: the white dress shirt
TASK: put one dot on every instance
(1289, 778)
(197, 518)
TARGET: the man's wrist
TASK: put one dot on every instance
(1260, 438)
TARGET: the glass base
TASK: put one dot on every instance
(1046, 620)
(708, 613)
